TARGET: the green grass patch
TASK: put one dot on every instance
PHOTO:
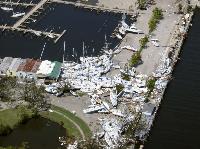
(70, 128)
(12, 117)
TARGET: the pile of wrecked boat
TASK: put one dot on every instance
(119, 106)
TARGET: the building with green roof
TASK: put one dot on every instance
(55, 73)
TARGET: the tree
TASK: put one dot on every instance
(189, 9)
(135, 59)
(119, 88)
(156, 17)
(91, 143)
(34, 95)
(7, 88)
(150, 85)
(180, 7)
(152, 25)
(126, 77)
(23, 114)
(142, 4)
(143, 42)
(157, 13)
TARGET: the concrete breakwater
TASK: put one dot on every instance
(176, 125)
(172, 52)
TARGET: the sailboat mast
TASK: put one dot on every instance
(83, 49)
(42, 51)
(64, 53)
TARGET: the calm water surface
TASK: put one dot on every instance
(41, 133)
(177, 125)
(81, 25)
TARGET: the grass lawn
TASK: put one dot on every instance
(71, 129)
(11, 117)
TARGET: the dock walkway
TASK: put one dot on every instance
(93, 7)
(17, 4)
(55, 36)
(25, 17)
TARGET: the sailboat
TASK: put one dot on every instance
(73, 53)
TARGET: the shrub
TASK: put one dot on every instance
(143, 41)
(125, 77)
(157, 13)
(119, 88)
(4, 129)
(156, 17)
(180, 7)
(189, 9)
(150, 85)
(141, 4)
(135, 59)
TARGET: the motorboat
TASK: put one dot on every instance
(118, 36)
(7, 8)
(129, 48)
(133, 30)
(18, 14)
(155, 42)
(38, 33)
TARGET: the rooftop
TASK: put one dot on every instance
(5, 64)
(29, 65)
(45, 68)
(36, 66)
(55, 73)
(15, 64)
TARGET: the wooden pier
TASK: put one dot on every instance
(51, 35)
(33, 10)
(17, 4)
(92, 7)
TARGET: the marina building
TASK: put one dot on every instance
(30, 69)
(5, 65)
(24, 72)
(12, 70)
(50, 70)
(55, 73)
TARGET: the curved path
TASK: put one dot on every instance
(77, 126)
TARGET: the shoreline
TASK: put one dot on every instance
(173, 63)
(129, 38)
